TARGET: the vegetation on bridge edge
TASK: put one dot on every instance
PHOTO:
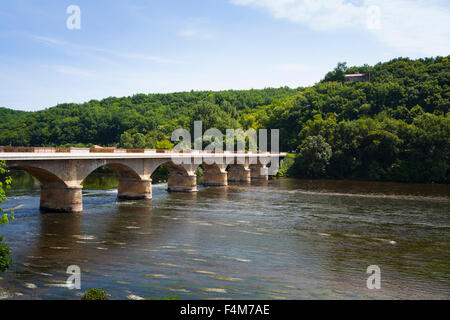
(5, 217)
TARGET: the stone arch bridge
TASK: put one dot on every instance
(61, 173)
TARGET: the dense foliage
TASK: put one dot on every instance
(155, 116)
(5, 250)
(395, 127)
(313, 157)
(95, 294)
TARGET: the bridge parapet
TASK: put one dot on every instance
(109, 150)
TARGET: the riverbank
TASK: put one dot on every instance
(287, 170)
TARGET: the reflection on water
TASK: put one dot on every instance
(283, 239)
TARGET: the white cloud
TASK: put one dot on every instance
(91, 49)
(415, 26)
(138, 56)
(411, 26)
(197, 28)
(49, 40)
(69, 70)
(195, 33)
(317, 14)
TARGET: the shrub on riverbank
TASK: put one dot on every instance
(95, 294)
(5, 250)
(286, 165)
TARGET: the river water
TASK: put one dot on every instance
(285, 239)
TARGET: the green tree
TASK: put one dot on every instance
(338, 74)
(151, 138)
(313, 157)
(164, 144)
(139, 141)
(5, 250)
(127, 140)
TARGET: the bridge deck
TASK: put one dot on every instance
(128, 155)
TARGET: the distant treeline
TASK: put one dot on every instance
(395, 127)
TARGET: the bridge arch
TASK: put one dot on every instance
(44, 176)
(214, 174)
(131, 184)
(121, 170)
(182, 177)
(57, 193)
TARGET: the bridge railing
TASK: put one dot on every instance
(11, 149)
(34, 149)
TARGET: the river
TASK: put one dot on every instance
(285, 239)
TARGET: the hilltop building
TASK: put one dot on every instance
(357, 77)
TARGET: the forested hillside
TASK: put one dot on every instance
(395, 127)
(155, 116)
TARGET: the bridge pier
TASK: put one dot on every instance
(239, 173)
(61, 199)
(179, 182)
(134, 189)
(215, 179)
(259, 172)
(214, 175)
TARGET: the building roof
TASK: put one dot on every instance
(355, 75)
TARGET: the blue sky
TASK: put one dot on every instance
(135, 46)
